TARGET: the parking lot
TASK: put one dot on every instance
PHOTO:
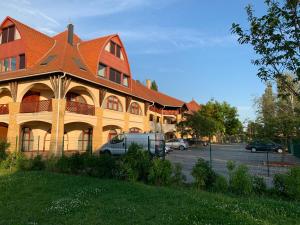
(256, 162)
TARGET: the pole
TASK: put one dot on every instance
(38, 150)
(210, 159)
(125, 146)
(164, 149)
(149, 144)
(268, 164)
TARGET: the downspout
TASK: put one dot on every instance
(162, 119)
(58, 109)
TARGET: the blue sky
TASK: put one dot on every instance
(185, 45)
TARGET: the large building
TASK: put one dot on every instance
(62, 93)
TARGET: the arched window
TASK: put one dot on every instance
(135, 109)
(135, 130)
(27, 139)
(112, 134)
(85, 140)
(74, 97)
(112, 102)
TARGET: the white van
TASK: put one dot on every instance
(153, 142)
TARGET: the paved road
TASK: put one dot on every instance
(256, 162)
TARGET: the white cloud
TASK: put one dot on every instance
(167, 39)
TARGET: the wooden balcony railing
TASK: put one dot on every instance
(80, 108)
(39, 106)
(4, 109)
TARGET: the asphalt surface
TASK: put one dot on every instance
(256, 162)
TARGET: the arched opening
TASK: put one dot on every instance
(5, 98)
(38, 98)
(78, 137)
(79, 100)
(3, 131)
(135, 109)
(110, 131)
(170, 135)
(135, 130)
(113, 103)
(35, 136)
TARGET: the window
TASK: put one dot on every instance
(101, 70)
(135, 130)
(112, 102)
(8, 34)
(22, 61)
(112, 47)
(115, 49)
(157, 119)
(13, 64)
(5, 65)
(135, 109)
(115, 76)
(125, 80)
(27, 139)
(151, 118)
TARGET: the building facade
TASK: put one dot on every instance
(62, 94)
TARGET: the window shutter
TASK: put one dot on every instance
(11, 33)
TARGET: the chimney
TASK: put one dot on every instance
(148, 83)
(70, 33)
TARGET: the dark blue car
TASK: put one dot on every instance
(269, 146)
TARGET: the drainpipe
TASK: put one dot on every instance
(58, 109)
(162, 119)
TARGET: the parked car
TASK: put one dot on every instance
(180, 144)
(119, 145)
(260, 145)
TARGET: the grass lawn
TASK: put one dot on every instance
(48, 198)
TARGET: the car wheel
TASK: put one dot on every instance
(106, 152)
(181, 148)
(280, 150)
(253, 149)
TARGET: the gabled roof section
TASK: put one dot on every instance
(91, 50)
(193, 106)
(36, 43)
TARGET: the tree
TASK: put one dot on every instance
(154, 86)
(275, 37)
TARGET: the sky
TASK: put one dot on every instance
(184, 45)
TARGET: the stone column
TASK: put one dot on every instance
(97, 130)
(13, 132)
(57, 129)
(126, 122)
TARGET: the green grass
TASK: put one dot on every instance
(49, 198)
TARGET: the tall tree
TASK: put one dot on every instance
(275, 37)
(154, 86)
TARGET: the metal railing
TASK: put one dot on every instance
(4, 109)
(38, 106)
(80, 108)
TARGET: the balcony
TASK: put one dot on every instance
(80, 108)
(169, 127)
(4, 109)
(38, 106)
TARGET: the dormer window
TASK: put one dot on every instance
(8, 34)
(115, 76)
(125, 80)
(115, 49)
(22, 61)
(12, 63)
(102, 70)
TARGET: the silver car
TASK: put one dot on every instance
(177, 144)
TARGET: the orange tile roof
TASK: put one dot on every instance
(40, 46)
(193, 106)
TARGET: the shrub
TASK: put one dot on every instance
(178, 178)
(203, 174)
(13, 160)
(3, 147)
(63, 165)
(76, 163)
(259, 185)
(37, 163)
(220, 184)
(288, 184)
(50, 164)
(102, 166)
(135, 165)
(240, 181)
(160, 172)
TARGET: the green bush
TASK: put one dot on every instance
(50, 164)
(13, 160)
(63, 165)
(135, 165)
(288, 185)
(160, 172)
(3, 148)
(240, 181)
(178, 178)
(259, 185)
(203, 174)
(103, 166)
(220, 184)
